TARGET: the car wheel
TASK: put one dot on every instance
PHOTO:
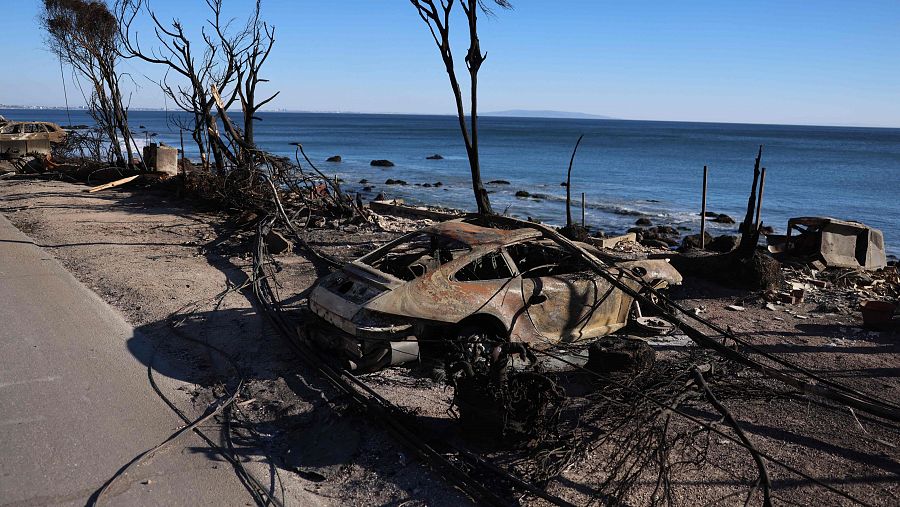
(476, 347)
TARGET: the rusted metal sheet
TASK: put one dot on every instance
(521, 285)
(474, 235)
(21, 138)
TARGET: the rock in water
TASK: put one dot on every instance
(692, 241)
(522, 193)
(381, 163)
(643, 221)
(336, 158)
(722, 218)
(724, 243)
(498, 182)
(434, 157)
(666, 230)
(654, 243)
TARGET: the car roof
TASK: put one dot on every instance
(476, 235)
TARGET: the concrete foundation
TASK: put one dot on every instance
(161, 158)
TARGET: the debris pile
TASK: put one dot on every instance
(838, 290)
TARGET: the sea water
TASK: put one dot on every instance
(626, 169)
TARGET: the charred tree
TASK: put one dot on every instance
(749, 233)
(436, 16)
(258, 38)
(198, 67)
(569, 185)
(214, 73)
(84, 35)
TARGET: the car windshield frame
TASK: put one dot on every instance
(449, 249)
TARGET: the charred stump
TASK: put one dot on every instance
(745, 267)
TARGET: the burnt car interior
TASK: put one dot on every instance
(15, 128)
(420, 254)
(487, 267)
(423, 253)
(535, 259)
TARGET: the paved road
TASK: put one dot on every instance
(75, 405)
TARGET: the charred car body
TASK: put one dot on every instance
(21, 138)
(460, 281)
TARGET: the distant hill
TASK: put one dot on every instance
(538, 113)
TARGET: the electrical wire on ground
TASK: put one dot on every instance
(259, 493)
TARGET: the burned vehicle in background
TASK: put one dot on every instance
(459, 282)
(21, 138)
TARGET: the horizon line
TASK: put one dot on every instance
(487, 113)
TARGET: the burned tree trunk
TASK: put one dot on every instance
(750, 234)
(474, 59)
(569, 186)
(438, 21)
(262, 40)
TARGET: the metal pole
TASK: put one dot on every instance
(762, 184)
(582, 210)
(703, 212)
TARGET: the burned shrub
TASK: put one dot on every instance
(521, 408)
(617, 355)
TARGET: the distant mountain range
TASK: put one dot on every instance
(541, 113)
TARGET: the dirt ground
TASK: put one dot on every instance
(155, 260)
(165, 266)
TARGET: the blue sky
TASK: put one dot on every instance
(789, 61)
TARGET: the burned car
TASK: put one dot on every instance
(460, 281)
(20, 138)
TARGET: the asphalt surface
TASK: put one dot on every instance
(76, 405)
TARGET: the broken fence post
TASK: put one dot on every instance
(703, 213)
(582, 210)
(759, 200)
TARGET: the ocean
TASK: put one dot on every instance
(626, 169)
